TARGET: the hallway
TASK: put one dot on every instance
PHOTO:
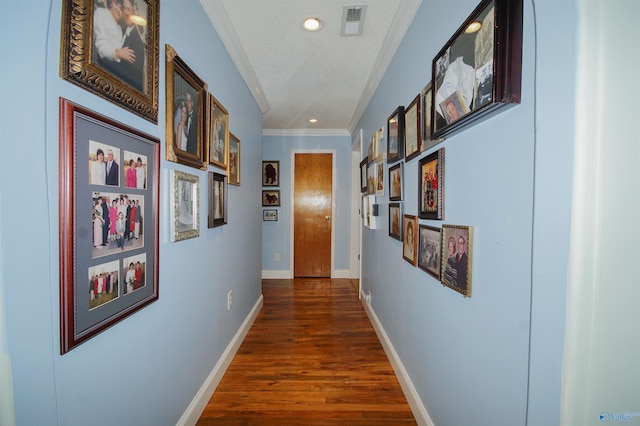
(310, 358)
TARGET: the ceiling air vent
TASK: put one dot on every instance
(352, 20)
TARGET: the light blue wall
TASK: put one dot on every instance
(510, 179)
(276, 236)
(146, 369)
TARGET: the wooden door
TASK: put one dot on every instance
(312, 215)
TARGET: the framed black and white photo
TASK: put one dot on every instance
(217, 200)
(185, 206)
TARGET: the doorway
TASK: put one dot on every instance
(312, 214)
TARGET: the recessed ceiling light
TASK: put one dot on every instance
(311, 24)
(313, 120)
(473, 27)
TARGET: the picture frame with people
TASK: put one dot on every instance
(109, 224)
(218, 205)
(457, 249)
(431, 186)
(110, 48)
(218, 133)
(186, 108)
(410, 238)
(430, 250)
(185, 206)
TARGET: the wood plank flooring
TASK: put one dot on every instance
(310, 358)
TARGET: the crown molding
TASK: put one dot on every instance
(305, 132)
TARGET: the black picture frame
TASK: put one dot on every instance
(396, 182)
(105, 276)
(431, 186)
(478, 73)
(271, 198)
(218, 204)
(363, 175)
(430, 250)
(395, 221)
(395, 136)
(412, 130)
(271, 173)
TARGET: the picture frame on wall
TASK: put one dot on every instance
(363, 174)
(430, 250)
(218, 133)
(395, 182)
(379, 165)
(271, 173)
(457, 245)
(105, 276)
(372, 175)
(395, 136)
(186, 118)
(427, 118)
(431, 186)
(271, 198)
(269, 215)
(87, 58)
(185, 206)
(395, 221)
(412, 130)
(233, 170)
(479, 70)
(410, 238)
(218, 205)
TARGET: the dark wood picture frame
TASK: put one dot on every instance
(396, 182)
(363, 175)
(95, 291)
(431, 186)
(430, 250)
(412, 130)
(233, 169)
(271, 173)
(427, 118)
(86, 59)
(395, 221)
(271, 198)
(185, 133)
(217, 133)
(395, 135)
(456, 271)
(218, 204)
(478, 73)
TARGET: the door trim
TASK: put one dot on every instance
(333, 204)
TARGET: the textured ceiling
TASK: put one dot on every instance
(295, 75)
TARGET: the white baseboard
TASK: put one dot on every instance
(413, 399)
(199, 402)
(277, 275)
(285, 275)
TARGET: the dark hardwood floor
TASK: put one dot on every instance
(310, 358)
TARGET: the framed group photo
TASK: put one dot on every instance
(457, 244)
(431, 186)
(429, 250)
(108, 222)
(185, 206)
(271, 173)
(88, 52)
(186, 108)
(218, 204)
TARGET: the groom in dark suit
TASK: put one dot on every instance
(132, 72)
(461, 263)
(192, 126)
(112, 170)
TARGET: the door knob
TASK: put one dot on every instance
(327, 217)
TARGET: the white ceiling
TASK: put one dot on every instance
(295, 75)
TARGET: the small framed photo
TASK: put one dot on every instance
(395, 221)
(270, 173)
(269, 215)
(431, 186)
(186, 108)
(218, 133)
(233, 171)
(217, 200)
(429, 250)
(363, 175)
(380, 177)
(453, 107)
(271, 198)
(457, 245)
(109, 232)
(412, 130)
(185, 206)
(395, 135)
(395, 182)
(372, 175)
(409, 239)
(87, 54)
(427, 118)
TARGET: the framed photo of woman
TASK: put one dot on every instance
(409, 240)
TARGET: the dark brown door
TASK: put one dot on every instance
(312, 215)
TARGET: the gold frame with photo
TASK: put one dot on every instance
(80, 65)
(217, 116)
(233, 169)
(451, 267)
(177, 69)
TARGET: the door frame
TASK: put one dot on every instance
(355, 263)
(292, 204)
